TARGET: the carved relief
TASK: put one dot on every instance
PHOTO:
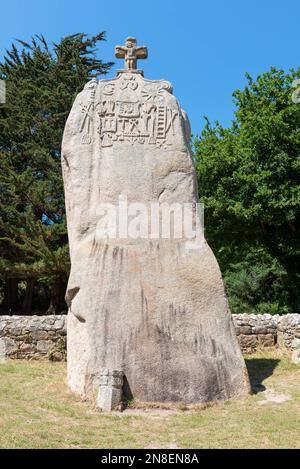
(128, 109)
(86, 126)
(109, 89)
(131, 53)
(128, 81)
(106, 108)
(152, 93)
(124, 117)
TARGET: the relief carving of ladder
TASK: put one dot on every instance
(161, 122)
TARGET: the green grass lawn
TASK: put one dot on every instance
(38, 411)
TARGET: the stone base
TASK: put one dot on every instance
(137, 71)
(110, 389)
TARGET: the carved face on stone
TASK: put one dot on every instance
(130, 43)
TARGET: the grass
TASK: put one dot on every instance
(38, 411)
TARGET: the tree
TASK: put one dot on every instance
(249, 181)
(42, 82)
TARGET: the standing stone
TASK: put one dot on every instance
(152, 307)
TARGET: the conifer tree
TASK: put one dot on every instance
(42, 82)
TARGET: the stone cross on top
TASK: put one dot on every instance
(131, 53)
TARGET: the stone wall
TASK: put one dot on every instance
(265, 330)
(35, 337)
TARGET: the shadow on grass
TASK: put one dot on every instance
(259, 369)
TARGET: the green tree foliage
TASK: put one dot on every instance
(42, 82)
(249, 181)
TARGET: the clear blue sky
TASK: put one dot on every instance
(203, 47)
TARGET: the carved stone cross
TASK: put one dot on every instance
(131, 53)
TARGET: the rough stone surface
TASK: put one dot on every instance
(34, 337)
(110, 389)
(295, 343)
(151, 307)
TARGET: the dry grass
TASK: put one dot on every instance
(38, 411)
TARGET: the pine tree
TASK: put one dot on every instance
(42, 82)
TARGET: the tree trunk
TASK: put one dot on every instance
(291, 265)
(10, 303)
(27, 303)
(292, 268)
(57, 302)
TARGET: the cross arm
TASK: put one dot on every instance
(120, 52)
(141, 52)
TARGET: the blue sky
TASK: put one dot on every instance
(203, 47)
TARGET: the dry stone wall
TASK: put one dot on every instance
(265, 330)
(37, 337)
(33, 337)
